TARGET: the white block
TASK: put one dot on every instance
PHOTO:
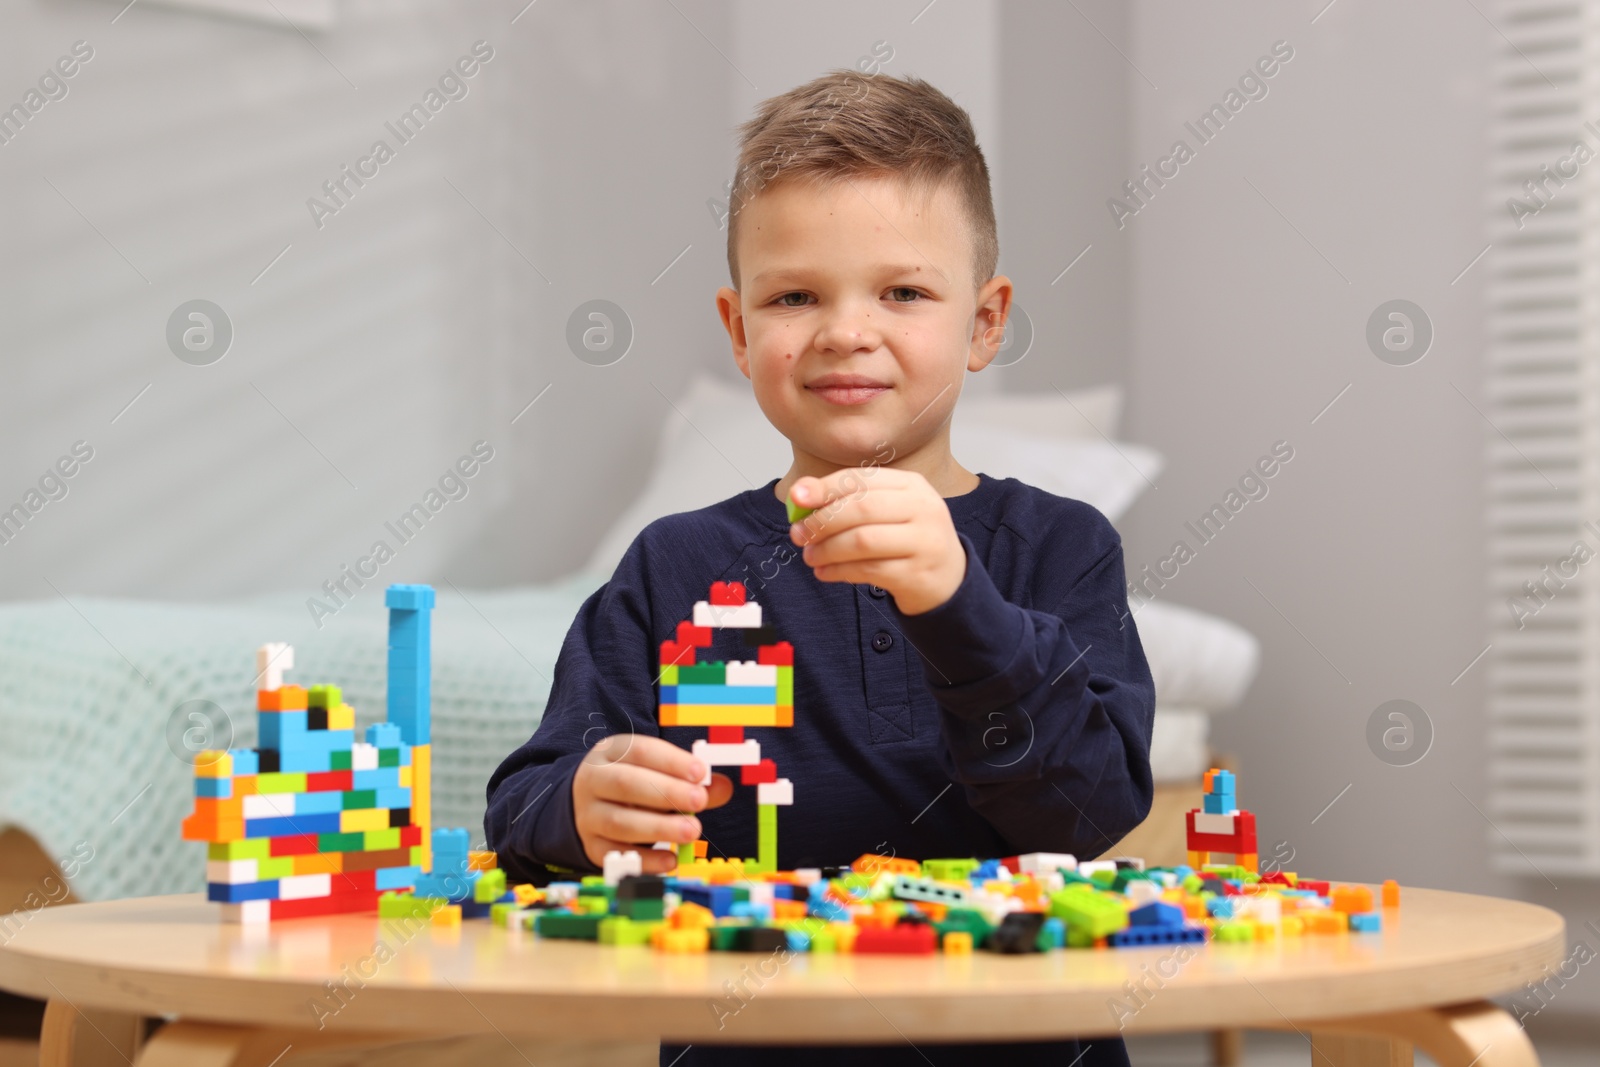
(743, 754)
(268, 805)
(363, 757)
(561, 892)
(231, 872)
(807, 875)
(1088, 867)
(749, 672)
(248, 911)
(746, 616)
(1207, 823)
(762, 894)
(303, 886)
(272, 659)
(1265, 908)
(1035, 862)
(618, 864)
(1143, 892)
(779, 792)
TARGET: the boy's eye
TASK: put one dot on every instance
(786, 296)
(905, 289)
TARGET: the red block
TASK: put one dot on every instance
(334, 904)
(725, 735)
(1319, 888)
(329, 781)
(1242, 840)
(355, 881)
(690, 634)
(294, 845)
(410, 835)
(780, 654)
(675, 654)
(1275, 878)
(917, 939)
(727, 593)
(756, 773)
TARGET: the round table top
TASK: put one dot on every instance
(175, 955)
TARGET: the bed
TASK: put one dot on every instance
(103, 702)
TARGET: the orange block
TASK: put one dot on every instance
(284, 698)
(479, 860)
(1325, 922)
(319, 863)
(1352, 899)
(244, 785)
(1391, 893)
(785, 715)
(788, 909)
(871, 863)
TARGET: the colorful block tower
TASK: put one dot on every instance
(1220, 826)
(727, 697)
(312, 821)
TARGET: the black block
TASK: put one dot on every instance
(641, 887)
(1018, 932)
(399, 817)
(316, 718)
(759, 939)
(269, 760)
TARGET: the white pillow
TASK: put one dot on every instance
(717, 443)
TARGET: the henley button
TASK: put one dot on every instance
(882, 641)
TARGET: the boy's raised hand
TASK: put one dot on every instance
(632, 790)
(883, 526)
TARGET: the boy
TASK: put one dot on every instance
(964, 683)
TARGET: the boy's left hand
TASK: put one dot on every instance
(885, 527)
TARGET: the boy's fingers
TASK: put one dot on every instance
(720, 792)
(664, 756)
(642, 787)
(623, 823)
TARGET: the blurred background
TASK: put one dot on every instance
(254, 364)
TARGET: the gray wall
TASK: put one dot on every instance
(1359, 178)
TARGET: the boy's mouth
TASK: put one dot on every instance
(847, 389)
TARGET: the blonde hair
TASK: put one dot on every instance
(846, 124)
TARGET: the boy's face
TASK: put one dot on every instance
(865, 283)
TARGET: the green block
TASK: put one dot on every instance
(504, 914)
(621, 930)
(406, 906)
(568, 924)
(490, 886)
(703, 674)
(643, 910)
(380, 840)
(1120, 884)
(722, 934)
(669, 674)
(359, 798)
(785, 684)
(341, 760)
(324, 696)
(254, 848)
(592, 905)
(1090, 913)
(1104, 879)
(1192, 884)
(825, 940)
(274, 867)
(956, 870)
(796, 512)
(281, 783)
(767, 836)
(388, 757)
(1232, 931)
(1227, 871)
(686, 852)
(350, 842)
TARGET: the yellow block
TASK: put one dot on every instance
(355, 820)
(213, 763)
(319, 863)
(342, 717)
(405, 777)
(723, 715)
(958, 942)
(422, 800)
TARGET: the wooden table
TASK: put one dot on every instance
(240, 995)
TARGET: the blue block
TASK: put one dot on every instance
(225, 893)
(744, 909)
(986, 870)
(1156, 913)
(718, 898)
(405, 755)
(719, 694)
(1222, 782)
(396, 877)
(1220, 803)
(379, 778)
(295, 760)
(472, 909)
(1366, 922)
(292, 825)
(278, 727)
(799, 941)
(1220, 907)
(454, 886)
(1139, 936)
(383, 735)
(409, 597)
(319, 803)
(398, 797)
(1056, 931)
(221, 788)
(245, 761)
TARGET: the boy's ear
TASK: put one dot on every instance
(728, 307)
(989, 322)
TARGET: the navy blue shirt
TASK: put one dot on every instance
(1013, 718)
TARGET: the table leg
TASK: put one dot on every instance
(71, 1037)
(197, 1044)
(1479, 1034)
(1227, 1048)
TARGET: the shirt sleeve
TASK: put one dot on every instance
(604, 684)
(1045, 712)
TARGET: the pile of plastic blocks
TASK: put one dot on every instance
(1032, 903)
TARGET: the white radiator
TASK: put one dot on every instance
(1542, 395)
